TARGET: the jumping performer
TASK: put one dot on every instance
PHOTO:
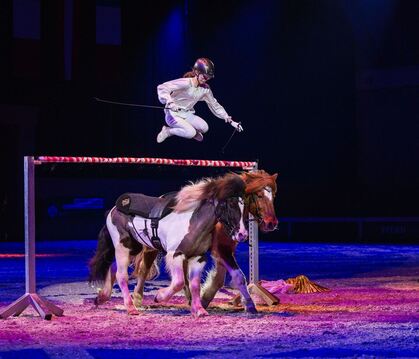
(180, 96)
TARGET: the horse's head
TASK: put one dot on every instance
(259, 199)
(229, 213)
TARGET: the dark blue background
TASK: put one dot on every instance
(326, 91)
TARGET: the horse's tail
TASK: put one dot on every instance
(154, 271)
(103, 258)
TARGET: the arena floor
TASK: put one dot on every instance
(372, 309)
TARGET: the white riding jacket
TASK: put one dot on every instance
(185, 95)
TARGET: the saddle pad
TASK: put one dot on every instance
(145, 206)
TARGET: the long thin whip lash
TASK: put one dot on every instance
(228, 141)
(127, 104)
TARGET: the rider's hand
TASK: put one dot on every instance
(172, 107)
(236, 125)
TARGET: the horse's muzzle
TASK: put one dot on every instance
(269, 225)
(241, 236)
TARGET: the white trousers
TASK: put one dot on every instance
(185, 124)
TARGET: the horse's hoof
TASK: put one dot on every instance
(200, 313)
(251, 310)
(205, 303)
(160, 296)
(137, 300)
(100, 300)
(133, 311)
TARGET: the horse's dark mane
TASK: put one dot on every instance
(220, 188)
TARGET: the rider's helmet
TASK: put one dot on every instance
(204, 66)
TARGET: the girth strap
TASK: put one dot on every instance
(144, 237)
(155, 240)
(153, 208)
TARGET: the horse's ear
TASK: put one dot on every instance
(274, 176)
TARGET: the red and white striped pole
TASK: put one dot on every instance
(43, 306)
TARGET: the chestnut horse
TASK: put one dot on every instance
(259, 201)
(185, 236)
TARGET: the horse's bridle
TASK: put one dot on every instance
(252, 197)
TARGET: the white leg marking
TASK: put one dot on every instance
(122, 263)
(175, 267)
(195, 268)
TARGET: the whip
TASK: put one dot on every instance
(127, 104)
(159, 108)
(228, 141)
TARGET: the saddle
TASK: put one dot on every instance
(153, 208)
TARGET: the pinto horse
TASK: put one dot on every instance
(260, 191)
(259, 196)
(185, 236)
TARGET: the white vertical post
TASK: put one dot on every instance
(41, 305)
(254, 286)
(29, 217)
(253, 246)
